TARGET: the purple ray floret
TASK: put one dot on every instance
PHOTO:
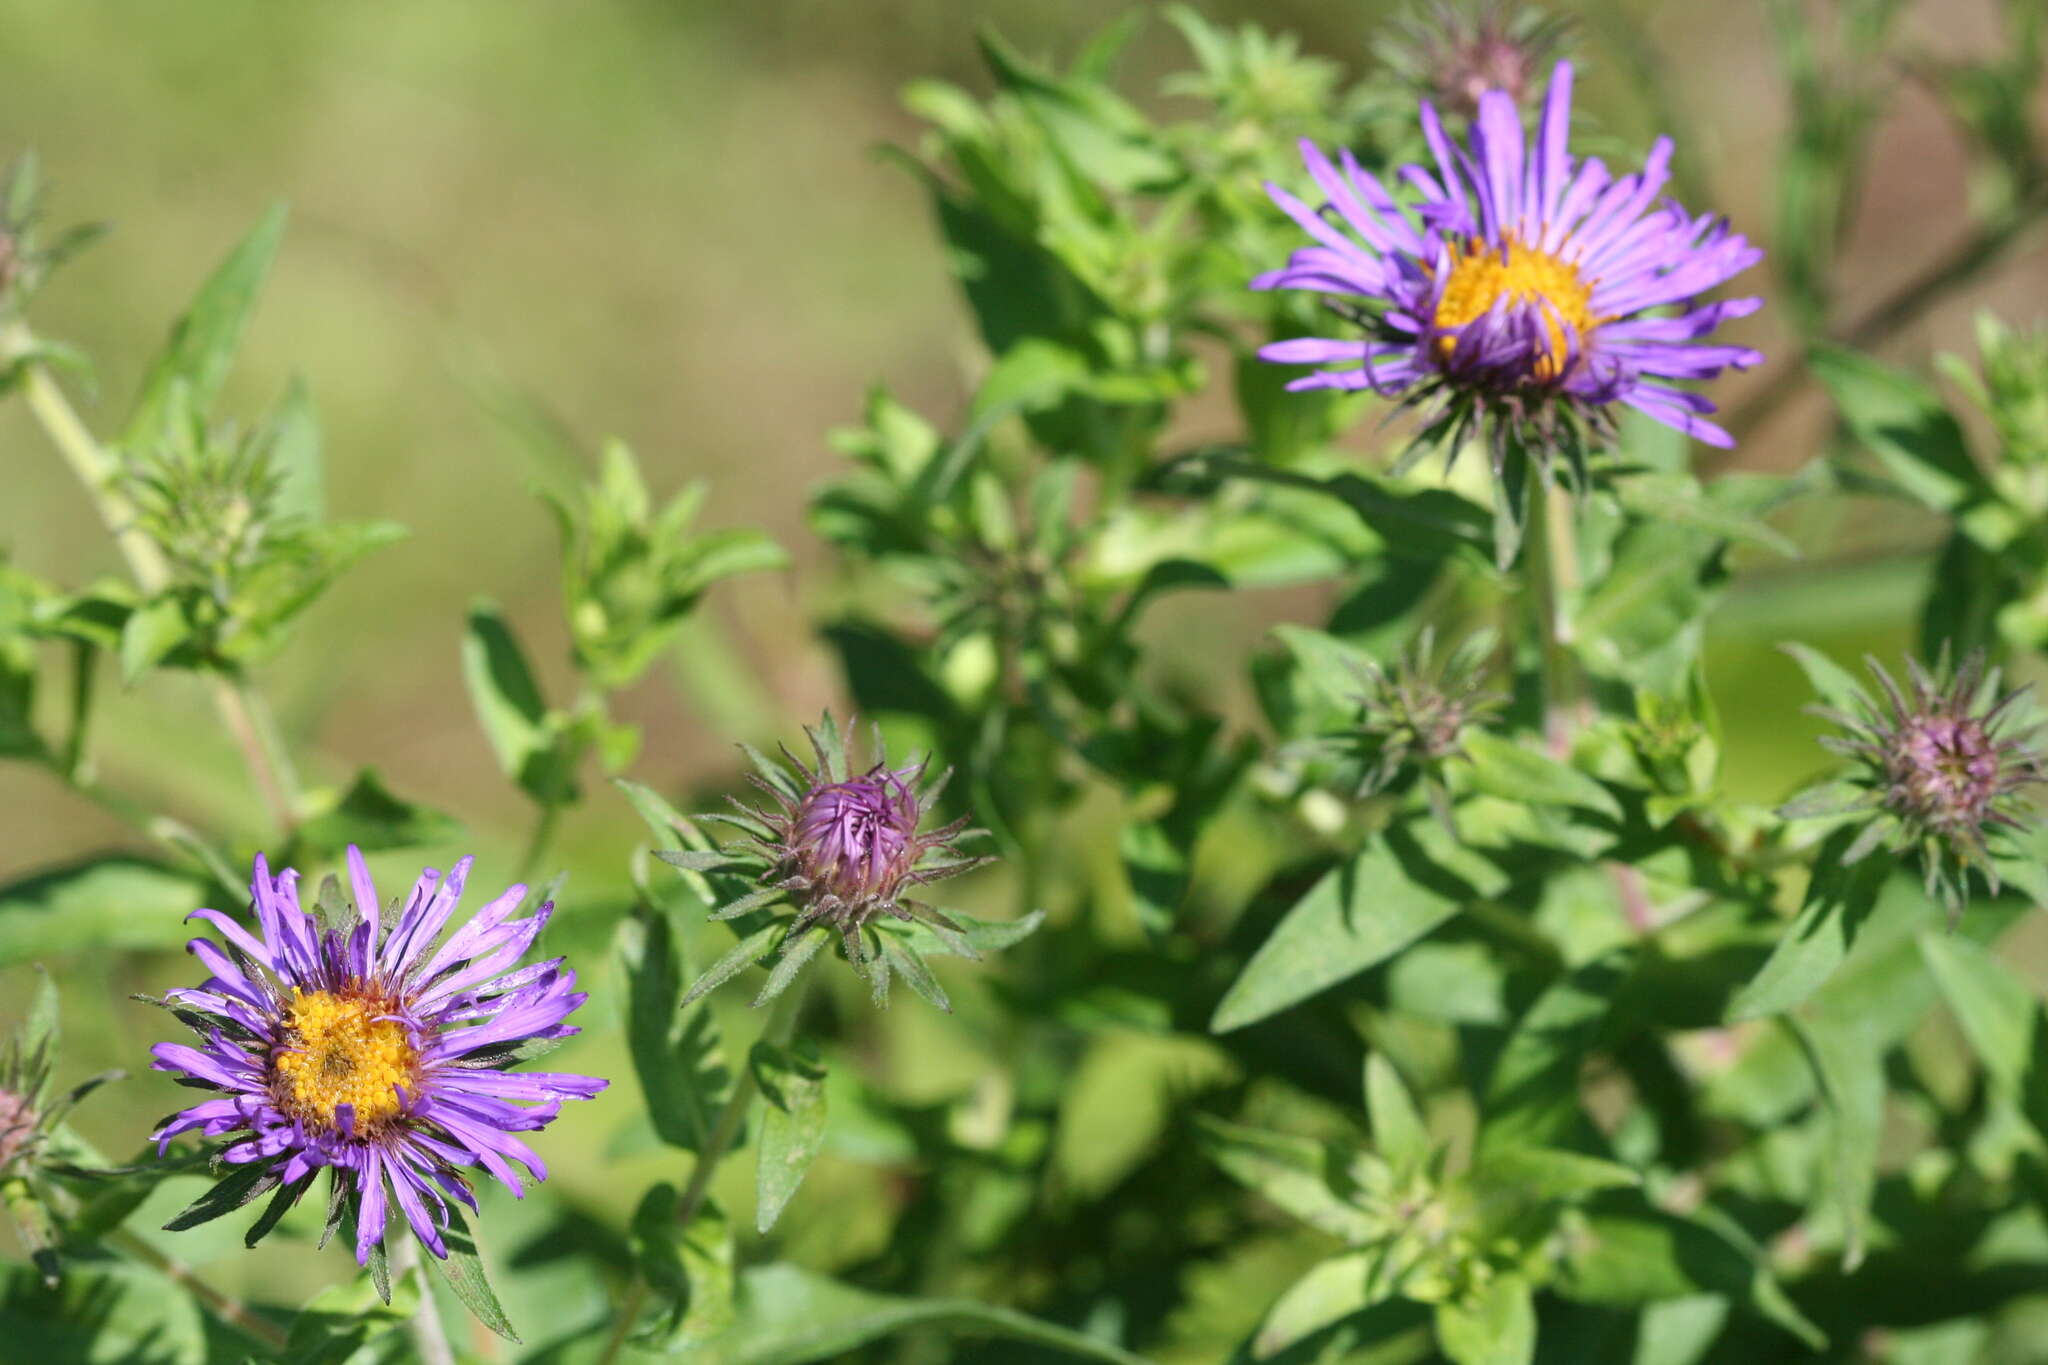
(1516, 276)
(375, 1049)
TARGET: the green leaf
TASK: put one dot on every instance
(236, 1187)
(1514, 772)
(106, 906)
(1533, 1094)
(1331, 1291)
(1902, 422)
(675, 1050)
(1294, 1173)
(1998, 1014)
(151, 633)
(341, 1319)
(743, 954)
(1494, 1325)
(910, 964)
(202, 342)
(1627, 1254)
(292, 442)
(789, 1316)
(1548, 1174)
(1398, 1131)
(100, 1315)
(508, 703)
(792, 1085)
(370, 816)
(1838, 900)
(1850, 1073)
(1834, 684)
(1359, 914)
(690, 1270)
(464, 1272)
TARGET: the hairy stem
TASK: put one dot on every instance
(1550, 562)
(233, 1312)
(780, 1027)
(247, 718)
(429, 1334)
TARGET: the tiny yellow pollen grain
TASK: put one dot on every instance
(339, 1048)
(1482, 274)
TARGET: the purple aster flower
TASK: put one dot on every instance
(844, 851)
(1942, 772)
(1518, 291)
(372, 1048)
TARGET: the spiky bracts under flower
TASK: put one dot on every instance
(367, 1043)
(1942, 768)
(1452, 53)
(30, 1111)
(1413, 715)
(844, 851)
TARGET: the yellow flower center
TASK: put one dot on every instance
(340, 1049)
(1481, 276)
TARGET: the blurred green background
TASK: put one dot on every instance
(665, 222)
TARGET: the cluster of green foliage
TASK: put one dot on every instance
(1361, 1000)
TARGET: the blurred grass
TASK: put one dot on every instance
(662, 222)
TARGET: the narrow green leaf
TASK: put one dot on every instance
(789, 1316)
(1361, 913)
(464, 1272)
(1838, 900)
(675, 1050)
(1546, 1174)
(792, 1086)
(1294, 1173)
(1903, 422)
(1493, 1325)
(690, 1270)
(1532, 1098)
(372, 817)
(1850, 1073)
(151, 633)
(1513, 772)
(1997, 1012)
(230, 1192)
(203, 341)
(1834, 684)
(103, 906)
(743, 954)
(341, 1319)
(911, 964)
(1398, 1132)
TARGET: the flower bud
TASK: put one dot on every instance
(1941, 770)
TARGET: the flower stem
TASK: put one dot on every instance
(538, 841)
(230, 1311)
(248, 718)
(781, 1025)
(1551, 563)
(429, 1334)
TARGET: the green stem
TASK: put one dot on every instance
(230, 1311)
(538, 841)
(248, 719)
(429, 1334)
(1551, 563)
(780, 1027)
(83, 677)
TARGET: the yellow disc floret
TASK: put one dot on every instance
(1481, 275)
(341, 1048)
